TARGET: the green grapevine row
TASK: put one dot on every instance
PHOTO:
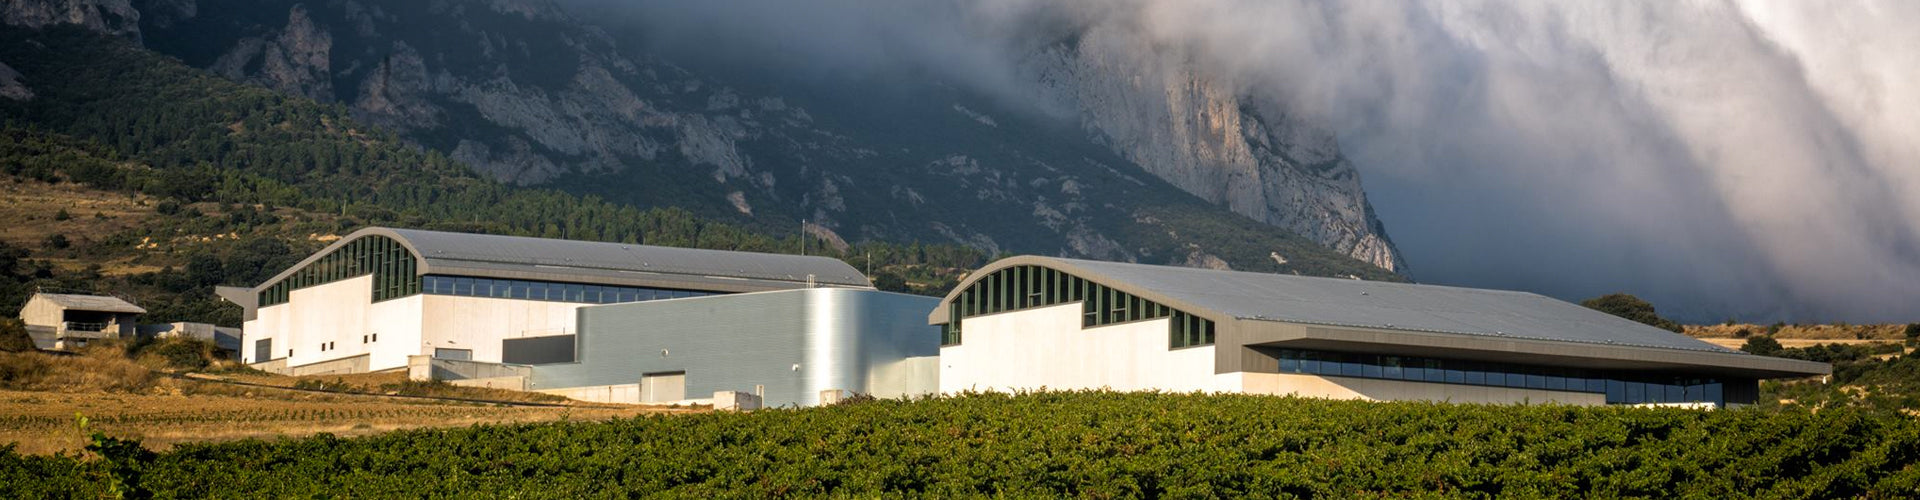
(1085, 444)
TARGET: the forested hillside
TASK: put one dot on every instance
(279, 171)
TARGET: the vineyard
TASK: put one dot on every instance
(1089, 444)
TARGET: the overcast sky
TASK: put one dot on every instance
(1757, 160)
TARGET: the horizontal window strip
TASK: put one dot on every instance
(1618, 386)
(550, 291)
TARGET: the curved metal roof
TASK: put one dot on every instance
(543, 259)
(1494, 315)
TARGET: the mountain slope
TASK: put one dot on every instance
(235, 162)
(521, 90)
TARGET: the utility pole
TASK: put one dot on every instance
(803, 237)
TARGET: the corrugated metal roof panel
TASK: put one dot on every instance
(92, 303)
(1398, 306)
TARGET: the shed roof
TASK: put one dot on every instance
(99, 303)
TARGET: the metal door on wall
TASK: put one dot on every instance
(262, 350)
(665, 387)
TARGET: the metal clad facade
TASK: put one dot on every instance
(790, 344)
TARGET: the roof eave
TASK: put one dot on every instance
(1527, 351)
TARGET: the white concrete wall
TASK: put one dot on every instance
(1045, 347)
(618, 393)
(397, 322)
(1319, 386)
(342, 313)
(906, 378)
(41, 312)
(514, 383)
(341, 366)
(480, 323)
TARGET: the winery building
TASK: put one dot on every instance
(378, 296)
(1028, 323)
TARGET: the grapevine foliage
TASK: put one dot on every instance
(1083, 444)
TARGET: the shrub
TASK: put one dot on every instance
(13, 336)
(1633, 308)
(1763, 345)
(175, 353)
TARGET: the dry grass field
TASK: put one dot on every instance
(1783, 333)
(29, 214)
(1800, 336)
(27, 210)
(1735, 343)
(45, 422)
(42, 396)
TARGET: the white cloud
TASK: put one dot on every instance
(1758, 159)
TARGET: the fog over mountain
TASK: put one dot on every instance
(1758, 160)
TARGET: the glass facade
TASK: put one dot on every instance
(1620, 387)
(1024, 287)
(549, 291)
(393, 268)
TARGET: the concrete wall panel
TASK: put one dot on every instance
(1046, 347)
(481, 323)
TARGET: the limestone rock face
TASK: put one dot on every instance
(296, 60)
(10, 85)
(1250, 156)
(113, 17)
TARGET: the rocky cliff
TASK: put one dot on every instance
(1153, 108)
(521, 90)
(113, 17)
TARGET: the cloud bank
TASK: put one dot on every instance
(1757, 160)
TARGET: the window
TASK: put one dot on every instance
(391, 264)
(548, 291)
(1618, 387)
(1022, 287)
